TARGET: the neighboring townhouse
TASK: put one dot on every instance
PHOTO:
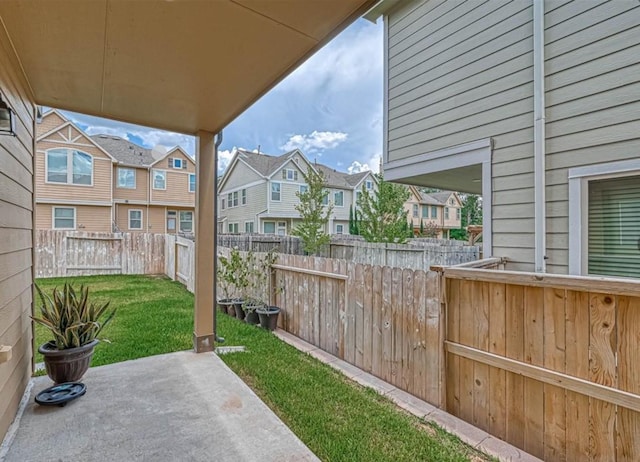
(438, 212)
(257, 193)
(534, 105)
(104, 183)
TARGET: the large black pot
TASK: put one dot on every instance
(268, 317)
(251, 314)
(226, 306)
(238, 308)
(67, 365)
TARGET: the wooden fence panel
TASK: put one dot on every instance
(546, 364)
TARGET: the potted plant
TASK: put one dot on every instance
(268, 314)
(75, 324)
(258, 289)
(226, 282)
(242, 273)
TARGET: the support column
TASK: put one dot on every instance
(203, 332)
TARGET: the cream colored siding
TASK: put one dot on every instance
(177, 154)
(342, 213)
(156, 219)
(100, 190)
(141, 191)
(256, 203)
(177, 192)
(49, 122)
(16, 225)
(240, 176)
(88, 218)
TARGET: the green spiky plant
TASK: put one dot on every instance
(73, 320)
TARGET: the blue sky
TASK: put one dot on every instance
(330, 108)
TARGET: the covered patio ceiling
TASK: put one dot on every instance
(178, 65)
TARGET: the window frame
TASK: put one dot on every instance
(53, 217)
(279, 199)
(446, 213)
(368, 185)
(424, 211)
(415, 211)
(243, 196)
(305, 186)
(341, 231)
(579, 178)
(233, 225)
(293, 172)
(153, 179)
(268, 221)
(192, 175)
(69, 153)
(434, 212)
(246, 230)
(335, 202)
(173, 164)
(129, 219)
(135, 178)
(180, 220)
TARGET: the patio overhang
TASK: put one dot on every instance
(181, 65)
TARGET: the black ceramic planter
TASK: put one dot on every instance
(67, 365)
(238, 309)
(226, 306)
(268, 317)
(251, 314)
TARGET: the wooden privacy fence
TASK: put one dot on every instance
(547, 363)
(386, 321)
(180, 261)
(73, 253)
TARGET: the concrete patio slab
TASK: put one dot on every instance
(179, 406)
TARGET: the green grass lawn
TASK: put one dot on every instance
(338, 419)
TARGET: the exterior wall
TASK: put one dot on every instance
(141, 191)
(342, 213)
(456, 78)
(177, 190)
(16, 236)
(256, 203)
(241, 175)
(50, 121)
(89, 218)
(100, 191)
(156, 219)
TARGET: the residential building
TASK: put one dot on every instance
(439, 212)
(534, 105)
(257, 193)
(104, 183)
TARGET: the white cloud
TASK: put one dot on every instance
(224, 158)
(372, 164)
(315, 142)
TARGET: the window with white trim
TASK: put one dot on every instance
(339, 229)
(446, 213)
(232, 228)
(269, 227)
(303, 188)
(69, 166)
(135, 219)
(275, 192)
(192, 182)
(186, 221)
(177, 163)
(369, 184)
(248, 227)
(325, 198)
(159, 179)
(458, 214)
(126, 178)
(244, 197)
(434, 211)
(415, 210)
(282, 228)
(290, 174)
(425, 211)
(64, 218)
(338, 198)
(222, 203)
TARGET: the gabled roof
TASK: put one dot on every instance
(124, 150)
(170, 152)
(436, 198)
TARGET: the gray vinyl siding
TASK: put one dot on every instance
(16, 236)
(239, 176)
(288, 190)
(463, 71)
(256, 203)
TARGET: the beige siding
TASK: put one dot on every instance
(156, 219)
(122, 218)
(88, 217)
(16, 225)
(177, 154)
(48, 123)
(141, 191)
(256, 203)
(176, 192)
(100, 191)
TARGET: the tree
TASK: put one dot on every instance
(421, 228)
(352, 221)
(313, 213)
(382, 214)
(470, 214)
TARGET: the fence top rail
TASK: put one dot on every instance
(484, 263)
(607, 285)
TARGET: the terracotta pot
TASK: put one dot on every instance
(67, 365)
(268, 317)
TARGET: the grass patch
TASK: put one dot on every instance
(338, 419)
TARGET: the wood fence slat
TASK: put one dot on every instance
(481, 390)
(602, 369)
(387, 336)
(350, 315)
(534, 354)
(453, 290)
(497, 345)
(577, 329)
(466, 334)
(377, 327)
(409, 340)
(554, 359)
(396, 326)
(628, 421)
(359, 314)
(515, 350)
(419, 363)
(368, 319)
(431, 329)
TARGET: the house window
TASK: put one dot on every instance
(338, 198)
(613, 227)
(415, 210)
(325, 198)
(269, 227)
(457, 214)
(171, 220)
(186, 221)
(248, 227)
(69, 166)
(452, 201)
(244, 196)
(235, 198)
(303, 188)
(135, 219)
(64, 218)
(446, 213)
(126, 178)
(177, 163)
(232, 228)
(159, 179)
(192, 182)
(282, 228)
(290, 175)
(222, 204)
(369, 184)
(275, 192)
(358, 193)
(434, 211)
(339, 229)
(425, 211)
